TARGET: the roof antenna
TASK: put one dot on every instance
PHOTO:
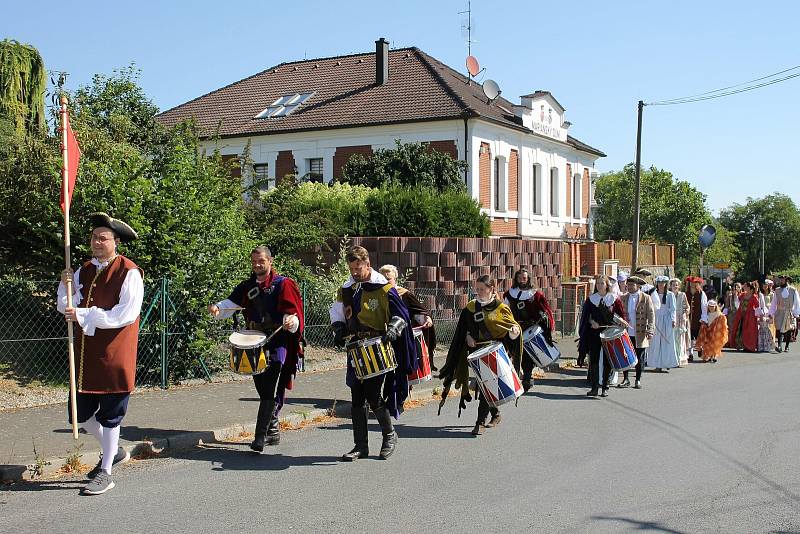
(473, 67)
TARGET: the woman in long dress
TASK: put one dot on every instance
(683, 339)
(729, 309)
(661, 353)
(766, 326)
(745, 324)
(713, 334)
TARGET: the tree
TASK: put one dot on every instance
(22, 86)
(408, 164)
(671, 211)
(775, 217)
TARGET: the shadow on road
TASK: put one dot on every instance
(648, 526)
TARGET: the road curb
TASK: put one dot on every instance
(186, 440)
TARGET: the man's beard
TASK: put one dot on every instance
(260, 272)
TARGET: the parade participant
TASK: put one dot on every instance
(369, 307)
(745, 322)
(483, 320)
(622, 278)
(729, 309)
(713, 333)
(108, 291)
(420, 314)
(601, 310)
(270, 302)
(766, 327)
(785, 309)
(698, 305)
(529, 307)
(662, 354)
(683, 340)
(641, 326)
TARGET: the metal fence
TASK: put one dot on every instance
(33, 333)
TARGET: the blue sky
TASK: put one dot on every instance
(597, 58)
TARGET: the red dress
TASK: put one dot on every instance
(745, 325)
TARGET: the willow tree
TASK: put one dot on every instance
(22, 86)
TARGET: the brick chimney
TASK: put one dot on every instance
(381, 61)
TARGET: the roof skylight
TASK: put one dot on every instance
(284, 106)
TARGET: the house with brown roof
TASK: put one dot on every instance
(309, 117)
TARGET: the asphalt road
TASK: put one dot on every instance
(708, 448)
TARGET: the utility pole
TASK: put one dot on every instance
(637, 200)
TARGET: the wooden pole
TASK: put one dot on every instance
(68, 264)
(638, 192)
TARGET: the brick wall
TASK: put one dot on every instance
(485, 175)
(451, 265)
(569, 190)
(236, 170)
(445, 147)
(502, 227)
(586, 185)
(284, 164)
(513, 181)
(343, 154)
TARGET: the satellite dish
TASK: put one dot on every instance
(472, 66)
(708, 234)
(491, 90)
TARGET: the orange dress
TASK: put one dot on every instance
(712, 338)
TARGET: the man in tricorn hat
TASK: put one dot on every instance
(641, 326)
(107, 300)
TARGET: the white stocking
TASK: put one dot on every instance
(94, 428)
(110, 443)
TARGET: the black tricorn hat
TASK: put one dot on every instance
(636, 280)
(643, 272)
(124, 232)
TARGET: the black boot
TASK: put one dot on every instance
(361, 449)
(266, 410)
(274, 429)
(389, 435)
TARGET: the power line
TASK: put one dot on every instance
(725, 91)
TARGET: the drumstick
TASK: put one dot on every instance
(273, 334)
(235, 308)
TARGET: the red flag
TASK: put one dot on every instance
(73, 154)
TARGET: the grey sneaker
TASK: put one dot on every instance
(121, 457)
(99, 484)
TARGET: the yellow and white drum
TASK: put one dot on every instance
(371, 357)
(248, 356)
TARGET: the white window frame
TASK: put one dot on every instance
(536, 189)
(555, 193)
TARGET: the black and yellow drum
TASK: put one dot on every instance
(248, 355)
(371, 357)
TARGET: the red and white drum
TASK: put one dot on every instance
(495, 374)
(423, 372)
(619, 348)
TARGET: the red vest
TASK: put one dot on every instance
(106, 361)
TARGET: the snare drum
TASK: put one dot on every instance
(619, 348)
(371, 357)
(495, 374)
(537, 347)
(423, 372)
(248, 356)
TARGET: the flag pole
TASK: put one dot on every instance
(68, 263)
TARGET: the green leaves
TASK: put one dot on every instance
(409, 164)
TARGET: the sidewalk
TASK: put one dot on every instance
(177, 418)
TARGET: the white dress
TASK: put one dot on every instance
(662, 352)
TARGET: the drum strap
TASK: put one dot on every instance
(480, 320)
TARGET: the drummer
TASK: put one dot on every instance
(529, 307)
(270, 302)
(482, 321)
(601, 310)
(420, 314)
(369, 307)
